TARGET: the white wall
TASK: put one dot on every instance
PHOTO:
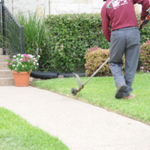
(16, 6)
(55, 6)
(75, 6)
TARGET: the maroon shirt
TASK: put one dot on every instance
(121, 14)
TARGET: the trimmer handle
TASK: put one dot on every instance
(145, 22)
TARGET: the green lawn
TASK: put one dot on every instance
(18, 134)
(100, 91)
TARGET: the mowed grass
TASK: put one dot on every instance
(17, 134)
(100, 91)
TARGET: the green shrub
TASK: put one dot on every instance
(145, 32)
(68, 36)
(144, 59)
(95, 57)
(66, 40)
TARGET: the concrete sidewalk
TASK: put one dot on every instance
(79, 125)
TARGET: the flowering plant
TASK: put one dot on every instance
(144, 61)
(24, 62)
(144, 69)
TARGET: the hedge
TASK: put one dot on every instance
(68, 37)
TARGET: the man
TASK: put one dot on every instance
(124, 37)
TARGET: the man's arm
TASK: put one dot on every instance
(145, 5)
(105, 24)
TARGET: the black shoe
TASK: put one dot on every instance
(121, 88)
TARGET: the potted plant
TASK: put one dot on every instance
(22, 65)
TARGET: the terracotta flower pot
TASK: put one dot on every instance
(21, 78)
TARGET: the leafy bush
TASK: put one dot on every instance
(66, 40)
(145, 32)
(144, 59)
(68, 37)
(95, 57)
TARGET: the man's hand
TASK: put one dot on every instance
(141, 21)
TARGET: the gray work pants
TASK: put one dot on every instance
(124, 40)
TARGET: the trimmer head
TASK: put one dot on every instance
(74, 91)
(81, 86)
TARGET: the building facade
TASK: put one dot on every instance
(56, 6)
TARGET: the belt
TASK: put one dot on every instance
(127, 28)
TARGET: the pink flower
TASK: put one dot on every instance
(10, 63)
(148, 41)
(7, 64)
(147, 71)
(25, 55)
(142, 51)
(29, 57)
(25, 60)
(142, 67)
(6, 57)
(31, 70)
(34, 59)
(34, 63)
(28, 60)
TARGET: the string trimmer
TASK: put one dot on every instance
(74, 91)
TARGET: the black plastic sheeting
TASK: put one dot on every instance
(50, 75)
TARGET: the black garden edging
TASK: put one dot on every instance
(44, 75)
(50, 75)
